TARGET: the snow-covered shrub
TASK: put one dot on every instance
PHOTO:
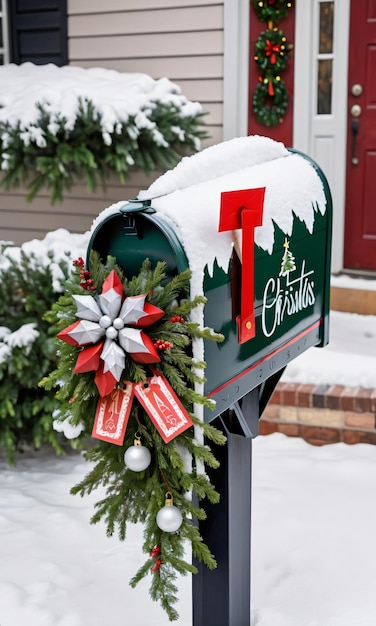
(30, 282)
(59, 125)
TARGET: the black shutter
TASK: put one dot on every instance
(38, 31)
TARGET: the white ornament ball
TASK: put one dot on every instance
(118, 323)
(137, 458)
(169, 518)
(111, 333)
(105, 321)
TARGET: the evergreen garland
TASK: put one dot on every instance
(47, 155)
(130, 496)
(270, 98)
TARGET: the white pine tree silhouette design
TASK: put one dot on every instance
(288, 260)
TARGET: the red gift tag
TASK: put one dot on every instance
(163, 407)
(111, 417)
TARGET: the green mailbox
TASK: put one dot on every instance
(252, 220)
(281, 287)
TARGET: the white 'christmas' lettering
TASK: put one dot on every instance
(298, 295)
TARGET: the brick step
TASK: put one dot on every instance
(322, 414)
(361, 301)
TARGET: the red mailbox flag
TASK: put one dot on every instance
(243, 210)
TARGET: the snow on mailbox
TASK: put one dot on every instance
(252, 220)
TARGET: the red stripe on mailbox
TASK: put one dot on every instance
(265, 358)
(243, 209)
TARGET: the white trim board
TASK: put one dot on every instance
(235, 68)
(323, 137)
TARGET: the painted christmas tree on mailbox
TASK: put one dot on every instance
(288, 261)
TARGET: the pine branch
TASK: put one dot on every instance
(84, 151)
(130, 496)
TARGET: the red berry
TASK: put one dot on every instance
(157, 566)
(155, 551)
(79, 262)
(177, 319)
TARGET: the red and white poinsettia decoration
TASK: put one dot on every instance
(110, 327)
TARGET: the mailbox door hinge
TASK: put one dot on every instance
(129, 209)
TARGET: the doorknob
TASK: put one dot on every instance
(356, 110)
(357, 90)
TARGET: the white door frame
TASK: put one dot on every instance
(323, 137)
(235, 68)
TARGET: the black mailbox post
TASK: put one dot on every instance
(280, 303)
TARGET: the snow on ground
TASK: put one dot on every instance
(345, 281)
(314, 515)
(313, 548)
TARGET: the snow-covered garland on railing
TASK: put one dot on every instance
(126, 376)
(270, 99)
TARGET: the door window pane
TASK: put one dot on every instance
(326, 27)
(324, 87)
(324, 56)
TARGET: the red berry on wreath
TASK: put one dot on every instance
(163, 345)
(177, 319)
(157, 566)
(154, 552)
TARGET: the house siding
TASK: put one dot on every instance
(22, 221)
(183, 42)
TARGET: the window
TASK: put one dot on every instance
(325, 58)
(38, 31)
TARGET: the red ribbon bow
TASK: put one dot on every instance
(271, 50)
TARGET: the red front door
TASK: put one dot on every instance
(360, 213)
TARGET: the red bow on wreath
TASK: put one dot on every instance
(271, 50)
